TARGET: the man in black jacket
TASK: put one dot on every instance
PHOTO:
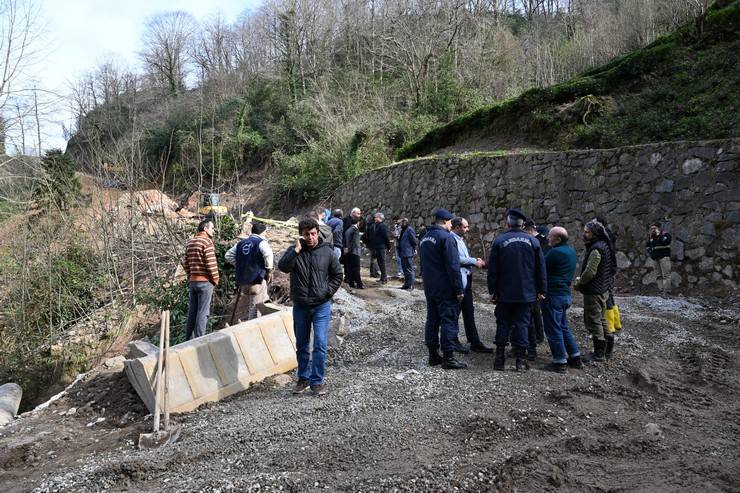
(380, 244)
(315, 275)
(659, 249)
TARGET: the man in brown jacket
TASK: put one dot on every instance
(200, 265)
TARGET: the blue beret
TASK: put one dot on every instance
(517, 213)
(442, 214)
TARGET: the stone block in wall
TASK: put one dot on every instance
(675, 279)
(729, 238)
(664, 186)
(649, 278)
(691, 166)
(695, 253)
(703, 152)
(677, 249)
(706, 264)
(623, 262)
(708, 229)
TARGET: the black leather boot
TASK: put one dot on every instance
(575, 362)
(521, 363)
(599, 347)
(609, 349)
(450, 363)
(556, 367)
(499, 361)
(459, 347)
(434, 357)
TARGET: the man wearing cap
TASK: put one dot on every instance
(516, 280)
(443, 290)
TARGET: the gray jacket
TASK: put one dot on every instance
(352, 241)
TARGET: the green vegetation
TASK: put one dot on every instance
(683, 86)
(61, 189)
(52, 290)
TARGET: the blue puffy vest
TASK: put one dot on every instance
(250, 264)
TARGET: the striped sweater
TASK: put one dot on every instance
(200, 259)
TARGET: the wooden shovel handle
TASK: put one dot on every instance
(167, 371)
(160, 362)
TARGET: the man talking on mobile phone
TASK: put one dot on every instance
(315, 275)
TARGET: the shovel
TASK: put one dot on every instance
(170, 434)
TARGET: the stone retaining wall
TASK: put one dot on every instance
(692, 187)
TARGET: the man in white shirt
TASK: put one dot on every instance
(254, 259)
(459, 230)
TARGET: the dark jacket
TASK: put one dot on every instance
(315, 274)
(543, 243)
(561, 261)
(660, 246)
(407, 242)
(337, 229)
(441, 274)
(516, 268)
(352, 241)
(380, 239)
(369, 235)
(602, 281)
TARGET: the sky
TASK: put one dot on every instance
(79, 34)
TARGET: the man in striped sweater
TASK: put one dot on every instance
(200, 265)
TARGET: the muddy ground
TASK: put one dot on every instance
(663, 415)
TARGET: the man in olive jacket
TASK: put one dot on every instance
(597, 276)
(315, 275)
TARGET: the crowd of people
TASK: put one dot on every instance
(531, 272)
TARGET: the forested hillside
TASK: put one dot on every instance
(311, 93)
(682, 86)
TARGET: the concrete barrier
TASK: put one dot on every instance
(10, 400)
(221, 363)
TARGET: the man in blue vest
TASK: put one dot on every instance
(516, 280)
(253, 258)
(443, 290)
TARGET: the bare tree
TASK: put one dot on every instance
(166, 39)
(19, 32)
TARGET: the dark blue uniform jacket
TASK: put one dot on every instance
(407, 242)
(516, 268)
(441, 274)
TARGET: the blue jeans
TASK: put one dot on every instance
(441, 326)
(303, 317)
(337, 252)
(562, 343)
(512, 322)
(199, 307)
(399, 263)
(409, 279)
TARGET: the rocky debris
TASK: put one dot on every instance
(653, 430)
(408, 427)
(141, 348)
(281, 380)
(115, 363)
(10, 400)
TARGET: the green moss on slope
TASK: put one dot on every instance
(682, 86)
